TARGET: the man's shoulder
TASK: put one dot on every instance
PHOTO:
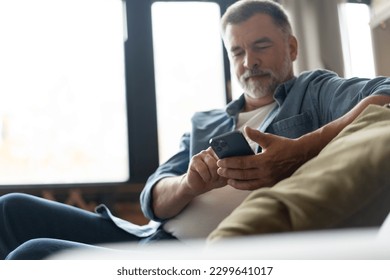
(313, 78)
(316, 74)
(230, 110)
(214, 113)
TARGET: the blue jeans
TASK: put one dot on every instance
(35, 228)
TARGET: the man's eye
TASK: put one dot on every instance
(237, 54)
(262, 47)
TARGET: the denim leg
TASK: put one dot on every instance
(26, 217)
(42, 248)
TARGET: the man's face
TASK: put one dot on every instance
(261, 55)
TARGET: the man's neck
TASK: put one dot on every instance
(255, 103)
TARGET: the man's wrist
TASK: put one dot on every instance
(310, 144)
(184, 188)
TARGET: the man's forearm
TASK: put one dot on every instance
(315, 141)
(169, 197)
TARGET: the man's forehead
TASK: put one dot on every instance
(255, 28)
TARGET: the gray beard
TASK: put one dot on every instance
(256, 89)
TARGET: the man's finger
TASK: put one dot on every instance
(263, 139)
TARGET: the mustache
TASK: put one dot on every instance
(255, 72)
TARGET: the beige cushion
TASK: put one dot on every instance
(346, 185)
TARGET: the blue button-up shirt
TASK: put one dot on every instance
(305, 103)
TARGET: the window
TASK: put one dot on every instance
(62, 92)
(78, 98)
(189, 70)
(357, 43)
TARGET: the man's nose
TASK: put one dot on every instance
(251, 61)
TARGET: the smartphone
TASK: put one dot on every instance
(231, 144)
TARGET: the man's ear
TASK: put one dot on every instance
(293, 45)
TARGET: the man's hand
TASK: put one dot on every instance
(172, 194)
(202, 173)
(280, 157)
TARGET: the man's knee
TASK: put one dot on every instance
(13, 199)
(10, 204)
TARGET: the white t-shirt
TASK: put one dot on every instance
(206, 211)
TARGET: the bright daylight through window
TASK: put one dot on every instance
(188, 66)
(62, 92)
(357, 43)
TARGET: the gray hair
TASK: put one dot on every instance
(245, 9)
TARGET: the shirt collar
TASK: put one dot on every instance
(235, 106)
(282, 90)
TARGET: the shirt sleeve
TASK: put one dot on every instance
(337, 96)
(175, 166)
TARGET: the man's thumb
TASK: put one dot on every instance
(261, 138)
